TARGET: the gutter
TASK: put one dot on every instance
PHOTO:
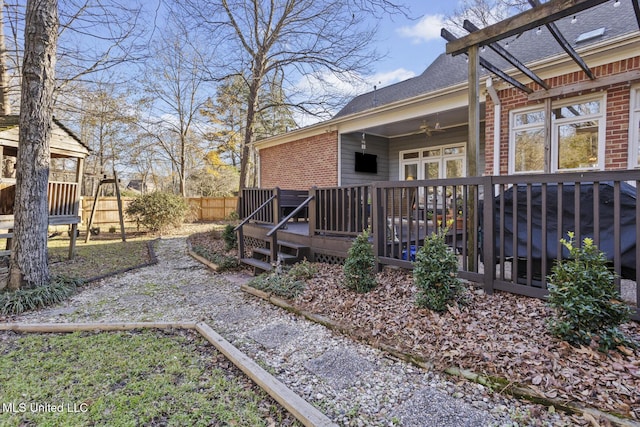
(497, 111)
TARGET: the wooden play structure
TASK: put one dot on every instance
(68, 153)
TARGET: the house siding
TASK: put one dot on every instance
(302, 164)
(350, 144)
(617, 120)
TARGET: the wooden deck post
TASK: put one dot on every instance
(312, 211)
(488, 241)
(378, 223)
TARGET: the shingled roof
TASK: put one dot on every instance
(447, 71)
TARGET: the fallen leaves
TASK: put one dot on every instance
(503, 335)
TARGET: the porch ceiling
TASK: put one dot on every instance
(446, 119)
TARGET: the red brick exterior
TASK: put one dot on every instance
(301, 164)
(616, 148)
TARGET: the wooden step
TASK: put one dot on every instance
(292, 245)
(258, 266)
(286, 258)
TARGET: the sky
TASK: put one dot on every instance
(411, 45)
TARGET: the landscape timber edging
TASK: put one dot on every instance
(495, 383)
(302, 410)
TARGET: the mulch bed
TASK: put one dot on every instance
(500, 335)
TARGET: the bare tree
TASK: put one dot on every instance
(482, 13)
(29, 265)
(175, 91)
(296, 38)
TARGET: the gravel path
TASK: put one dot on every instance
(352, 383)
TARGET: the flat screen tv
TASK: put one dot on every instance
(367, 163)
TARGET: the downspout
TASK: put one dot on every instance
(497, 111)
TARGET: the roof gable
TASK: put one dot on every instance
(530, 46)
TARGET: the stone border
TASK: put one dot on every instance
(495, 383)
(304, 412)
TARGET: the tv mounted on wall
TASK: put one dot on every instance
(367, 163)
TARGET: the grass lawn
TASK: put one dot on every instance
(150, 377)
(98, 257)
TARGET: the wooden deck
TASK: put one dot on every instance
(518, 228)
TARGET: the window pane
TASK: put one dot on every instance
(454, 150)
(432, 170)
(578, 145)
(454, 168)
(411, 171)
(529, 151)
(576, 110)
(431, 153)
(529, 118)
(413, 155)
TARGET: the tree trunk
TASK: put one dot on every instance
(29, 265)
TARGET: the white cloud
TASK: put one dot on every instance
(328, 85)
(426, 29)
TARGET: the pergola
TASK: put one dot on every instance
(541, 14)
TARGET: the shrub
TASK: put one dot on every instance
(157, 211)
(280, 284)
(435, 274)
(21, 300)
(584, 298)
(224, 262)
(230, 238)
(360, 265)
(302, 270)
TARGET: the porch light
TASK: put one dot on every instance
(363, 142)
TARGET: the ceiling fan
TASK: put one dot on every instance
(428, 129)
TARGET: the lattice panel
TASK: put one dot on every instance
(250, 243)
(329, 259)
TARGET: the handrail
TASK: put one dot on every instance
(244, 221)
(291, 215)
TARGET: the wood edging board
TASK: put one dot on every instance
(501, 384)
(298, 407)
(203, 260)
(302, 410)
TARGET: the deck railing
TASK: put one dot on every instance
(254, 198)
(344, 211)
(506, 230)
(63, 200)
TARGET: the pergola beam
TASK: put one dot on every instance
(490, 67)
(533, 18)
(562, 41)
(469, 26)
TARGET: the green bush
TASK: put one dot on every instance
(158, 211)
(280, 284)
(360, 265)
(230, 237)
(21, 300)
(303, 270)
(435, 274)
(224, 262)
(584, 298)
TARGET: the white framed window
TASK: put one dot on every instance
(634, 128)
(444, 161)
(527, 141)
(577, 137)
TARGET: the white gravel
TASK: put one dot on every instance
(354, 384)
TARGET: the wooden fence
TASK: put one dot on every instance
(203, 208)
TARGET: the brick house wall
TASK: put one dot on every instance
(617, 126)
(302, 164)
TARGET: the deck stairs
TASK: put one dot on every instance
(288, 253)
